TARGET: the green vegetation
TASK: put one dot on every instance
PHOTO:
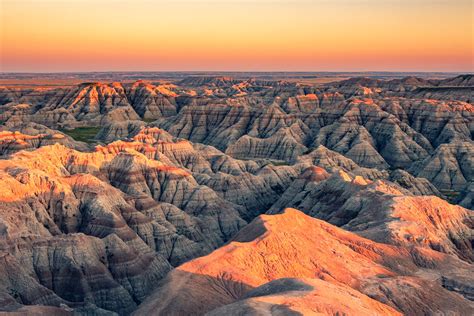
(278, 162)
(83, 134)
(266, 161)
(451, 196)
(450, 193)
(149, 120)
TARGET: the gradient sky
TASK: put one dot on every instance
(238, 35)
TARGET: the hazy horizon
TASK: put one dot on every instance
(241, 72)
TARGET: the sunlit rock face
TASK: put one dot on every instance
(127, 217)
(293, 263)
(150, 214)
(382, 211)
(20, 136)
(89, 103)
(143, 198)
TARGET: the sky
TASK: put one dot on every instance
(236, 35)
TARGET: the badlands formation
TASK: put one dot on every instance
(215, 195)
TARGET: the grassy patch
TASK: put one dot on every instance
(451, 196)
(266, 161)
(278, 162)
(450, 193)
(83, 134)
(148, 120)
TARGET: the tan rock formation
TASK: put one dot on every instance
(383, 212)
(292, 245)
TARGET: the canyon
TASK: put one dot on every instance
(238, 195)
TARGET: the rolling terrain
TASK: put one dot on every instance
(236, 195)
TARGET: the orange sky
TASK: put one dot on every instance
(240, 35)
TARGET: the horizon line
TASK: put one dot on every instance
(237, 71)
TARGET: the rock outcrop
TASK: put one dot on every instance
(178, 169)
(29, 136)
(450, 167)
(113, 220)
(382, 211)
(326, 266)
